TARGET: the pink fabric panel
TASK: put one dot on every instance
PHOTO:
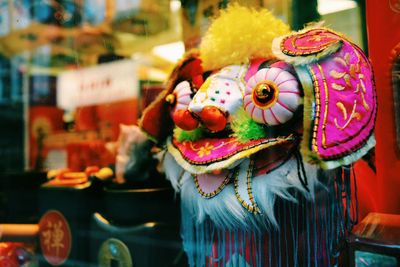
(209, 150)
(307, 43)
(345, 102)
(253, 68)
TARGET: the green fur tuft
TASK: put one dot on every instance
(182, 135)
(244, 128)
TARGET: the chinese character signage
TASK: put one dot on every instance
(55, 237)
(100, 84)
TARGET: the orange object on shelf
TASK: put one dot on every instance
(91, 170)
(18, 231)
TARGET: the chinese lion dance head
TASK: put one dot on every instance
(261, 126)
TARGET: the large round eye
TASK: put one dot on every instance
(265, 94)
(181, 96)
(271, 96)
(180, 100)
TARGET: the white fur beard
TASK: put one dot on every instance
(226, 211)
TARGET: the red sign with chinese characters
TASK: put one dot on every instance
(55, 237)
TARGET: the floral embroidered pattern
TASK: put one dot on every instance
(345, 102)
(343, 80)
(204, 150)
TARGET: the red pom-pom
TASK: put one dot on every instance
(185, 120)
(213, 118)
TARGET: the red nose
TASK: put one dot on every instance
(213, 118)
(184, 119)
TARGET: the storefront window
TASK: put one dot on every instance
(109, 152)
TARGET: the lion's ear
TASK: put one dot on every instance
(156, 121)
(339, 95)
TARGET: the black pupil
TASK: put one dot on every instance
(266, 96)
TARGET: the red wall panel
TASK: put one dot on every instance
(383, 26)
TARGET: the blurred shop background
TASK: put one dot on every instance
(75, 76)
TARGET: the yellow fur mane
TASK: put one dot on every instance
(238, 35)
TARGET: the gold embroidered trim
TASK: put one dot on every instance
(317, 111)
(353, 115)
(253, 208)
(216, 191)
(310, 50)
(342, 108)
(326, 105)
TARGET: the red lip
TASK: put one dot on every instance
(210, 150)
